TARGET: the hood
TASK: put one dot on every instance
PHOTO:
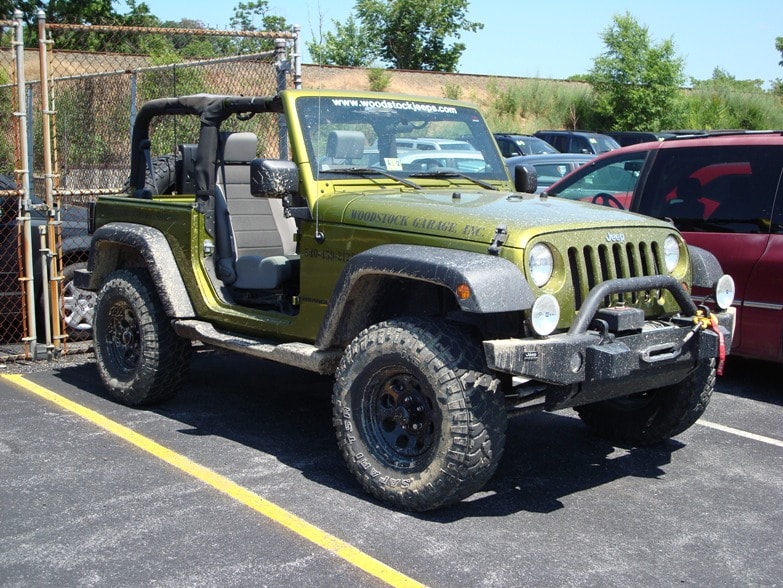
(475, 215)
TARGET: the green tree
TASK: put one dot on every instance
(244, 19)
(636, 83)
(405, 34)
(350, 45)
(721, 79)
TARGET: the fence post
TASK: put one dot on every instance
(24, 175)
(283, 67)
(52, 310)
(297, 58)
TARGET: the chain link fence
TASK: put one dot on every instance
(66, 140)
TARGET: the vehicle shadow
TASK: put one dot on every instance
(752, 379)
(286, 413)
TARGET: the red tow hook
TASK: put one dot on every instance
(721, 344)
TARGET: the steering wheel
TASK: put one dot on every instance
(607, 200)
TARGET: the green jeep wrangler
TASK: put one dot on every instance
(392, 250)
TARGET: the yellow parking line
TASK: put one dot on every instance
(270, 510)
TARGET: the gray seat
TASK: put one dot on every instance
(343, 148)
(263, 246)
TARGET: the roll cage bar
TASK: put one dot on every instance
(212, 110)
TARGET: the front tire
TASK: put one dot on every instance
(140, 358)
(418, 422)
(654, 416)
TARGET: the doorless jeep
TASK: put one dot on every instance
(441, 298)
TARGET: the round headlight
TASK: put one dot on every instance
(724, 292)
(671, 252)
(540, 264)
(545, 315)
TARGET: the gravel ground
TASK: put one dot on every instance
(13, 360)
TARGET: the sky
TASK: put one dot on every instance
(558, 39)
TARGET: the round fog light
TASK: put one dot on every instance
(724, 292)
(545, 315)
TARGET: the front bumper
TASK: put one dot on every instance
(590, 365)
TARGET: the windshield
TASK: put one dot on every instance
(608, 181)
(398, 137)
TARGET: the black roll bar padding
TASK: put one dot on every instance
(593, 301)
(212, 110)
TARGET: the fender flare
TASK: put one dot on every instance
(705, 267)
(156, 252)
(496, 284)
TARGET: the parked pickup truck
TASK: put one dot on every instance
(442, 299)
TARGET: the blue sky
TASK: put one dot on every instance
(556, 40)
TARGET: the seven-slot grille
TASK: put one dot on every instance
(591, 265)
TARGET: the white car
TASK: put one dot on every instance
(466, 161)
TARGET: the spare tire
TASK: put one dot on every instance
(163, 178)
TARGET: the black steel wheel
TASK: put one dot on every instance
(419, 423)
(140, 358)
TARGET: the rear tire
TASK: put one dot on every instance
(654, 416)
(418, 422)
(139, 357)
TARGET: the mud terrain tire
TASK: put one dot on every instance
(139, 357)
(163, 179)
(654, 416)
(418, 422)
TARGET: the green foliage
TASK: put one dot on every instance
(405, 34)
(636, 83)
(721, 79)
(378, 78)
(244, 19)
(349, 45)
(7, 122)
(452, 91)
(721, 108)
(412, 34)
(534, 104)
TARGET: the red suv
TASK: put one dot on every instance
(723, 191)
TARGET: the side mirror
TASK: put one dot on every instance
(273, 178)
(525, 179)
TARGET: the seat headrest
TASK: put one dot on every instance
(345, 144)
(240, 147)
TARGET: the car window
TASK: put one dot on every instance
(560, 142)
(549, 173)
(715, 189)
(615, 176)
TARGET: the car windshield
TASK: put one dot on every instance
(534, 146)
(604, 181)
(398, 137)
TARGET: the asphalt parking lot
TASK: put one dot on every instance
(238, 482)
